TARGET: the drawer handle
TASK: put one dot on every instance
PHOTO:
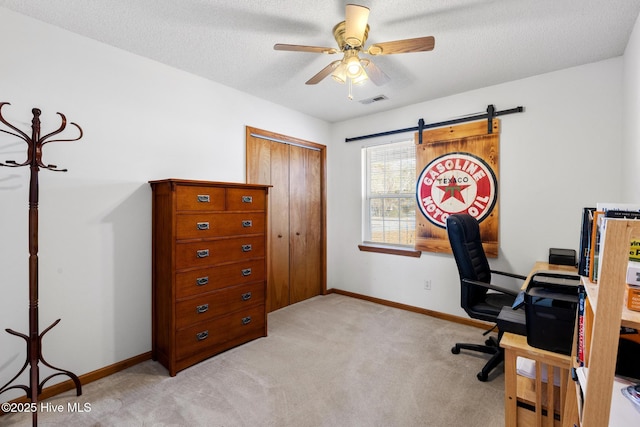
(247, 199)
(204, 198)
(202, 308)
(202, 253)
(246, 272)
(246, 320)
(246, 297)
(201, 281)
(247, 223)
(246, 248)
(203, 225)
(202, 335)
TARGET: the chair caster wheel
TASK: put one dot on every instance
(490, 343)
(482, 376)
(455, 350)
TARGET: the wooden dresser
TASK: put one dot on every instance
(209, 268)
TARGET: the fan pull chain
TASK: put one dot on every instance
(350, 88)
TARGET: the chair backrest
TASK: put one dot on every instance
(466, 244)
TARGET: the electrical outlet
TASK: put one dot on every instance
(427, 285)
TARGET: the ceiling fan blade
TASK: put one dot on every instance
(323, 73)
(420, 44)
(356, 18)
(377, 76)
(301, 48)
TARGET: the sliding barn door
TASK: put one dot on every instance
(457, 172)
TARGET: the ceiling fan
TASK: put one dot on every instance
(351, 35)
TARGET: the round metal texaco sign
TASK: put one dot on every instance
(456, 183)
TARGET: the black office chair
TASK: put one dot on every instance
(479, 298)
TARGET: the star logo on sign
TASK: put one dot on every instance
(452, 189)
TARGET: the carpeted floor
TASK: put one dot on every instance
(328, 361)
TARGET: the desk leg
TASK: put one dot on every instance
(538, 393)
(551, 401)
(570, 415)
(510, 388)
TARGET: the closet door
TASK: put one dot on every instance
(295, 169)
(279, 288)
(305, 223)
(268, 163)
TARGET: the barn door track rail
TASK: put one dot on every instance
(489, 116)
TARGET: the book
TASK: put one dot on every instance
(628, 207)
(585, 241)
(633, 298)
(580, 353)
(622, 214)
(634, 250)
(595, 247)
(604, 212)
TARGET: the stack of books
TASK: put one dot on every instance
(594, 221)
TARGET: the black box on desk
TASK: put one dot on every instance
(551, 302)
(562, 256)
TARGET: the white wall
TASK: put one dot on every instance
(631, 114)
(142, 121)
(561, 154)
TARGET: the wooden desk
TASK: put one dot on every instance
(542, 265)
(529, 392)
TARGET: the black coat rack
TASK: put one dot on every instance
(34, 339)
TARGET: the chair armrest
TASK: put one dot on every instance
(503, 273)
(491, 286)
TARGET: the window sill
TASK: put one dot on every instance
(392, 250)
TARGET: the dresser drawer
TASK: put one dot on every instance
(195, 282)
(217, 303)
(240, 199)
(197, 338)
(206, 225)
(197, 198)
(211, 252)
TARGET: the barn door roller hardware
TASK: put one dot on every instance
(489, 115)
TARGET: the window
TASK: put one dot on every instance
(389, 208)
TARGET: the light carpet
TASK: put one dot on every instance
(328, 361)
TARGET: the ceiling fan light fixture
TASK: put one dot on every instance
(353, 67)
(360, 79)
(340, 74)
(351, 36)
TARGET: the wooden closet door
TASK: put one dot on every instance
(295, 169)
(279, 283)
(268, 163)
(305, 223)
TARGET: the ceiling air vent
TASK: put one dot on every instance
(374, 99)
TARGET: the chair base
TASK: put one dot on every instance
(491, 347)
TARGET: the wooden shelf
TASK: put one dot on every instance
(629, 318)
(623, 414)
(599, 395)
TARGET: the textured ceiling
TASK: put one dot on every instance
(478, 42)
